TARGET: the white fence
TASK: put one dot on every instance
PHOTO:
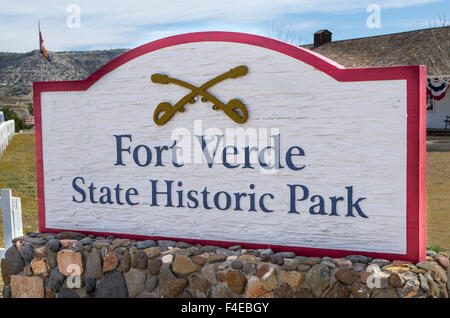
(12, 218)
(6, 134)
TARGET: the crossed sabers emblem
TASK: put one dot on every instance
(234, 109)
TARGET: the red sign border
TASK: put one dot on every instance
(415, 77)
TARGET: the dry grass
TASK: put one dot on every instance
(438, 200)
(18, 172)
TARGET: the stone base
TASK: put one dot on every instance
(70, 264)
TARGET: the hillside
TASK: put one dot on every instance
(18, 71)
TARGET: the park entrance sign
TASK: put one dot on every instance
(228, 138)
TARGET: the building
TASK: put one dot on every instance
(430, 47)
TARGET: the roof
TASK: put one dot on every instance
(407, 48)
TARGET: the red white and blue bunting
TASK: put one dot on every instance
(436, 88)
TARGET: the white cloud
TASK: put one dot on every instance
(113, 23)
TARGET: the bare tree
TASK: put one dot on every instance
(437, 55)
(281, 33)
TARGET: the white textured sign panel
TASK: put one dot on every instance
(334, 176)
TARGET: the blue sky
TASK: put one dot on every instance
(130, 23)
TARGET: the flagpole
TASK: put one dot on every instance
(39, 54)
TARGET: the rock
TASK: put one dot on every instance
(267, 251)
(284, 291)
(311, 261)
(330, 264)
(39, 267)
(27, 270)
(290, 264)
(169, 285)
(139, 260)
(113, 285)
(151, 283)
(27, 252)
(249, 258)
(418, 271)
(423, 283)
(448, 278)
(249, 268)
(224, 265)
(442, 260)
(221, 276)
(110, 262)
(388, 292)
(68, 235)
(199, 260)
(69, 262)
(235, 247)
(87, 241)
(36, 241)
(347, 276)
(101, 244)
(380, 262)
(198, 286)
(255, 289)
(359, 267)
(338, 290)
(154, 266)
(438, 273)
(222, 291)
(125, 262)
(395, 280)
(6, 273)
(237, 264)
(214, 258)
(183, 266)
(142, 245)
(262, 269)
(276, 259)
(426, 265)
(56, 280)
(292, 278)
(90, 284)
(67, 243)
(410, 288)
(400, 263)
(94, 268)
(67, 293)
(208, 272)
(121, 242)
(359, 259)
(135, 279)
(303, 293)
(318, 279)
(40, 252)
(19, 244)
(165, 244)
(167, 259)
(6, 292)
(431, 253)
(343, 263)
(51, 260)
(285, 254)
(269, 280)
(232, 258)
(183, 245)
(236, 281)
(303, 268)
(360, 290)
(14, 260)
(27, 286)
(396, 269)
